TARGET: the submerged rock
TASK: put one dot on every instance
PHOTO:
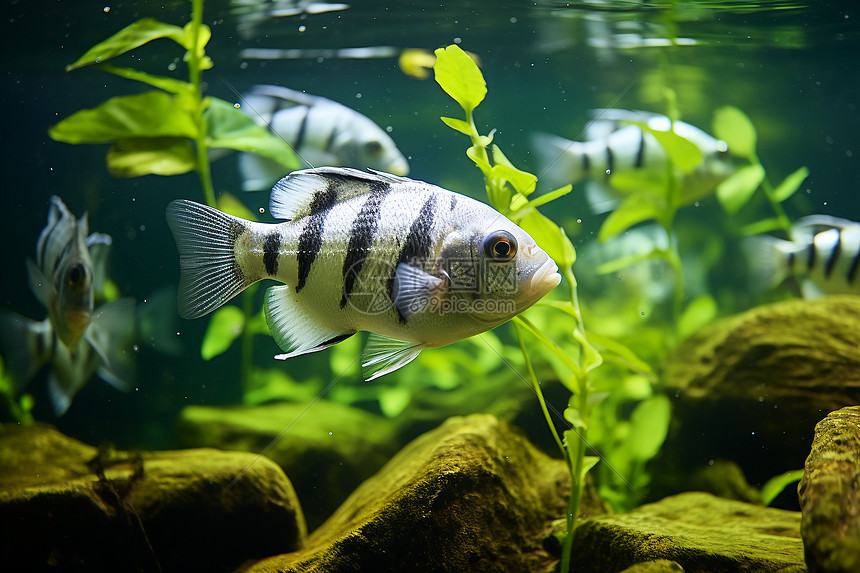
(751, 388)
(830, 495)
(699, 532)
(471, 495)
(326, 449)
(69, 506)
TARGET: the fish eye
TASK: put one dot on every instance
(373, 148)
(78, 276)
(500, 246)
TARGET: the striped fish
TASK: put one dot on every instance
(823, 255)
(76, 339)
(321, 131)
(613, 145)
(416, 265)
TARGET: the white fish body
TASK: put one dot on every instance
(613, 145)
(823, 255)
(321, 131)
(76, 340)
(416, 265)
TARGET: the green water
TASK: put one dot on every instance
(789, 66)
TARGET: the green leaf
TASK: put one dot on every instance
(737, 190)
(204, 34)
(523, 181)
(460, 77)
(393, 400)
(625, 354)
(775, 485)
(463, 127)
(759, 227)
(150, 114)
(698, 313)
(616, 265)
(550, 237)
(591, 358)
(634, 209)
(545, 198)
(151, 156)
(479, 156)
(588, 462)
(167, 84)
(683, 153)
(642, 179)
(735, 128)
(650, 424)
(790, 184)
(229, 128)
(129, 38)
(224, 327)
(229, 204)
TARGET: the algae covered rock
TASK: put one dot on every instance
(830, 495)
(471, 495)
(69, 506)
(699, 532)
(752, 387)
(327, 449)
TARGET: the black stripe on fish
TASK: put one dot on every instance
(361, 238)
(640, 153)
(310, 241)
(834, 256)
(329, 143)
(790, 262)
(852, 270)
(810, 256)
(417, 246)
(453, 201)
(586, 163)
(271, 246)
(300, 136)
(610, 160)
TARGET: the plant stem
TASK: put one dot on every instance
(195, 55)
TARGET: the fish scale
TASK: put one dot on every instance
(362, 251)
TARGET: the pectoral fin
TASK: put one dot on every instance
(383, 355)
(414, 290)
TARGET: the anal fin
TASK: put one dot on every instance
(384, 355)
(294, 330)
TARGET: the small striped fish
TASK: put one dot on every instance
(416, 265)
(823, 255)
(321, 131)
(613, 145)
(75, 340)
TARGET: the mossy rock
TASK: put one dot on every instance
(67, 506)
(830, 495)
(699, 532)
(326, 449)
(472, 495)
(751, 388)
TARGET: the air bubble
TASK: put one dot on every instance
(262, 210)
(237, 105)
(302, 28)
(106, 9)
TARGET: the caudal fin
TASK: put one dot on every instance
(206, 238)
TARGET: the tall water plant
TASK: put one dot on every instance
(508, 189)
(170, 130)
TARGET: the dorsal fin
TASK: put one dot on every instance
(303, 193)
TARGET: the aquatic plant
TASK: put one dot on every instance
(735, 128)
(508, 189)
(170, 130)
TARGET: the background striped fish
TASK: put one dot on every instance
(76, 340)
(416, 265)
(823, 255)
(321, 131)
(612, 145)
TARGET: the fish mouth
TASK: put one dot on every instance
(545, 278)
